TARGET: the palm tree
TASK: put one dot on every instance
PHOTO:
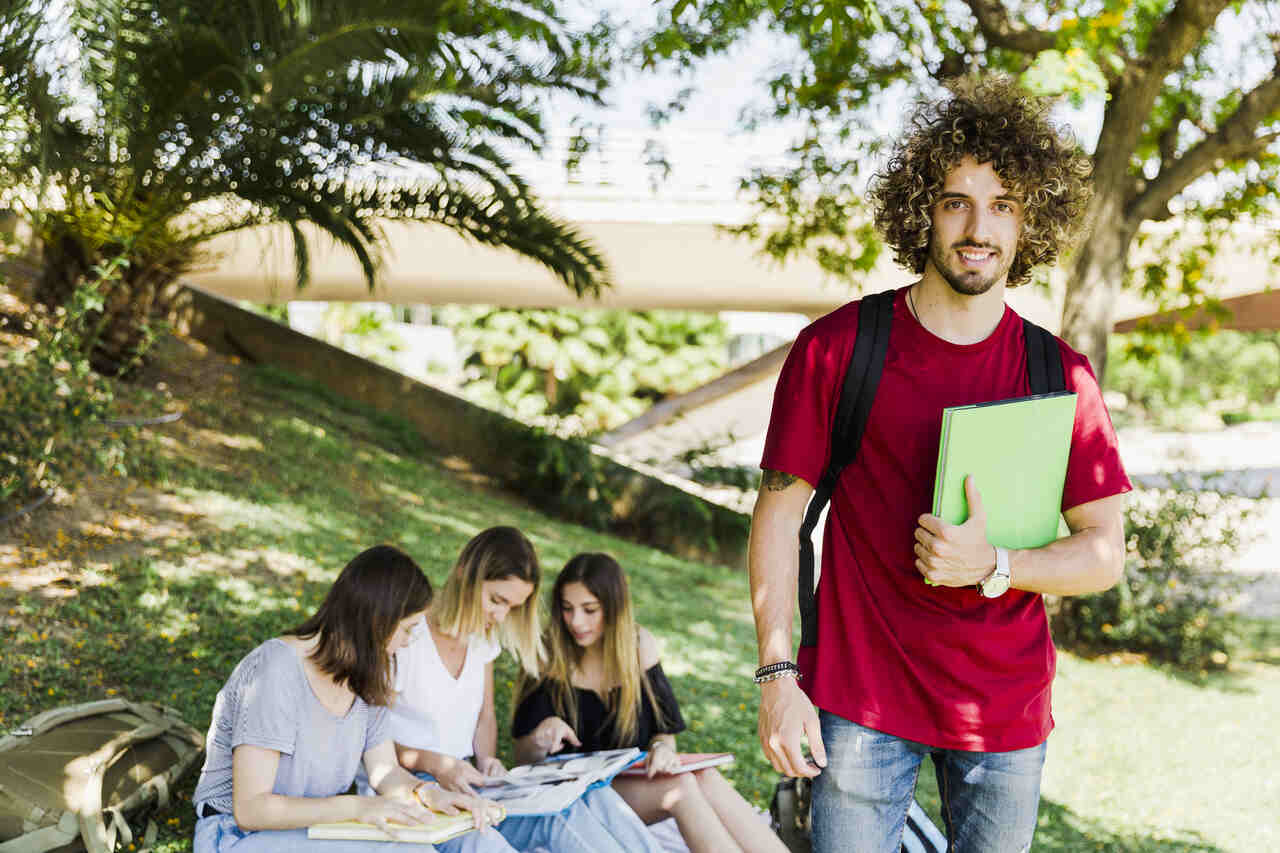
(172, 122)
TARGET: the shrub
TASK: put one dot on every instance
(53, 407)
(1169, 377)
(1172, 601)
(562, 475)
(584, 371)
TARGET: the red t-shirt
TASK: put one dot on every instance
(938, 665)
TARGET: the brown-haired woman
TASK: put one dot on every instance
(300, 713)
(605, 689)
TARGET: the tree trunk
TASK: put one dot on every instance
(1097, 273)
(137, 295)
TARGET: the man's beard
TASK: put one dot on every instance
(966, 282)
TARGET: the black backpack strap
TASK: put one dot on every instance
(862, 378)
(1044, 360)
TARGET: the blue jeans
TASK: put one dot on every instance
(860, 800)
(598, 822)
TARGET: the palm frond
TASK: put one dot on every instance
(341, 114)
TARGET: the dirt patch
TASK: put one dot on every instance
(102, 520)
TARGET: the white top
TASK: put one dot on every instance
(433, 710)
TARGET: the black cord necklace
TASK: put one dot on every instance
(911, 303)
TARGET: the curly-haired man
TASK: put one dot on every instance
(931, 641)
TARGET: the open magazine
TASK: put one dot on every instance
(689, 761)
(442, 828)
(553, 784)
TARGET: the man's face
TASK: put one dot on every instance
(976, 223)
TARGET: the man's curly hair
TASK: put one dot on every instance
(993, 121)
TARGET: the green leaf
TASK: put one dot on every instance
(1056, 73)
(543, 352)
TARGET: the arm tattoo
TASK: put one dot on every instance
(777, 481)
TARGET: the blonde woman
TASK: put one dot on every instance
(605, 689)
(443, 719)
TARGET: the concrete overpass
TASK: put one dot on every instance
(664, 253)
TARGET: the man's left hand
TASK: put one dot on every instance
(955, 554)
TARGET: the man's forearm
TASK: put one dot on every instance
(774, 563)
(1084, 562)
(1090, 560)
(774, 566)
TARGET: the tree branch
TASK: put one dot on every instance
(1178, 34)
(1001, 31)
(1235, 138)
(1140, 83)
(1167, 143)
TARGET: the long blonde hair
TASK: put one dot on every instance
(494, 554)
(604, 579)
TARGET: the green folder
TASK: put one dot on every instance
(1017, 452)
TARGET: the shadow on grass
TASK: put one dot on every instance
(149, 635)
(1060, 830)
(1256, 644)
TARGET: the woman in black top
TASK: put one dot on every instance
(605, 689)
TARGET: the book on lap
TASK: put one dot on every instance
(442, 828)
(1016, 450)
(689, 761)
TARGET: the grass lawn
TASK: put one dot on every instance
(153, 588)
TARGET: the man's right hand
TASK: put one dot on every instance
(786, 714)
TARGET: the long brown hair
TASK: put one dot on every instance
(604, 579)
(375, 591)
(492, 555)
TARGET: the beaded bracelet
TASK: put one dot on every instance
(773, 671)
(774, 676)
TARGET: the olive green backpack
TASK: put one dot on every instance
(69, 776)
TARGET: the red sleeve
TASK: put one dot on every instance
(1094, 469)
(806, 395)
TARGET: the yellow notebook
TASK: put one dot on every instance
(443, 828)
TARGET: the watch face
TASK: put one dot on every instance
(996, 585)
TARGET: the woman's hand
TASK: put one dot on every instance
(662, 758)
(490, 766)
(486, 813)
(458, 776)
(385, 811)
(552, 734)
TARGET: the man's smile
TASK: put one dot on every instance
(973, 256)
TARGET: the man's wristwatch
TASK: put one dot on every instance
(996, 584)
